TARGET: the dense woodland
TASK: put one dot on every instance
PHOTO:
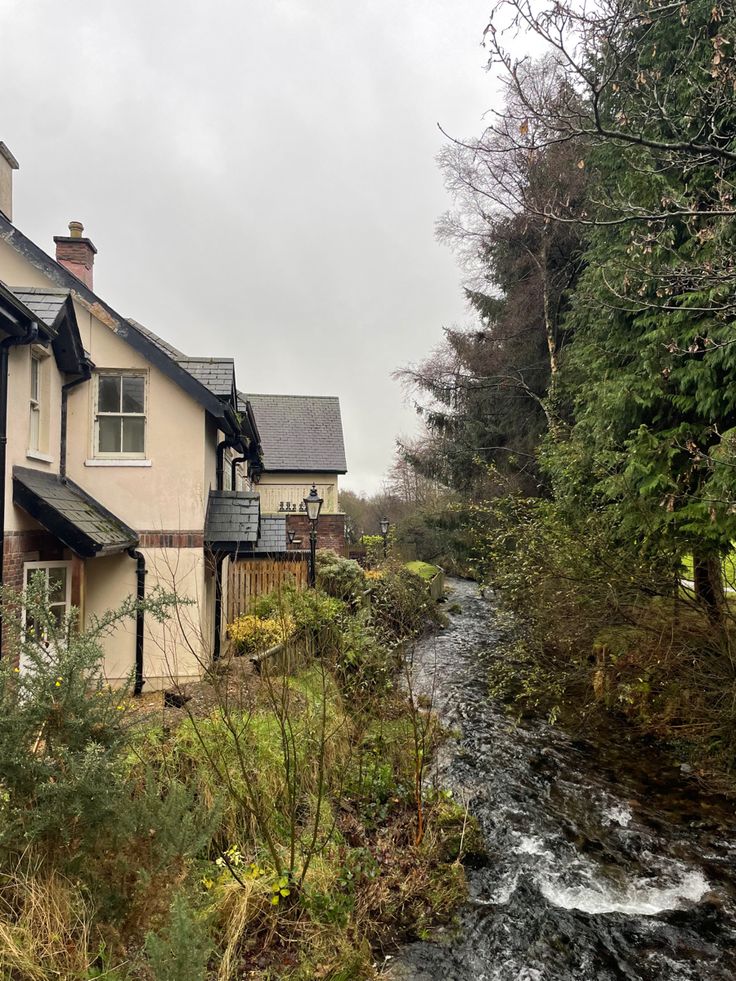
(580, 434)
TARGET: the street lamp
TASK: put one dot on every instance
(313, 505)
(384, 532)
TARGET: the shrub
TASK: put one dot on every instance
(253, 635)
(181, 951)
(339, 577)
(401, 604)
(61, 726)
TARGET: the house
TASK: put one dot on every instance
(119, 458)
(302, 442)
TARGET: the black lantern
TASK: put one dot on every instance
(313, 504)
(384, 534)
(292, 535)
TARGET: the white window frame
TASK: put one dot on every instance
(47, 566)
(97, 454)
(38, 404)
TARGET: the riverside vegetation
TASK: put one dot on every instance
(579, 447)
(285, 830)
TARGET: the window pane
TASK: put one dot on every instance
(109, 434)
(58, 612)
(133, 434)
(109, 393)
(57, 585)
(33, 439)
(35, 367)
(132, 393)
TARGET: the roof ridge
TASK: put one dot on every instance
(206, 358)
(278, 395)
(52, 290)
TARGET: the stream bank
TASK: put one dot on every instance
(605, 862)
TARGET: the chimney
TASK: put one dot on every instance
(76, 253)
(8, 164)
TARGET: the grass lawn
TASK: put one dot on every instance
(423, 569)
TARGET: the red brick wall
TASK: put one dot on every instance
(171, 539)
(330, 532)
(26, 546)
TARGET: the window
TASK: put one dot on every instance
(34, 436)
(58, 583)
(120, 417)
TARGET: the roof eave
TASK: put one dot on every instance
(120, 325)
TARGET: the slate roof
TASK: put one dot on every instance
(160, 343)
(300, 432)
(272, 537)
(45, 304)
(216, 374)
(70, 514)
(233, 520)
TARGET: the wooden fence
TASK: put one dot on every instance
(250, 578)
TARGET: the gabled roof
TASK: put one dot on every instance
(233, 519)
(216, 374)
(127, 330)
(300, 433)
(53, 311)
(70, 514)
(46, 304)
(54, 308)
(158, 341)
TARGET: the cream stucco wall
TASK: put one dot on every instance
(168, 491)
(176, 650)
(293, 487)
(168, 494)
(18, 453)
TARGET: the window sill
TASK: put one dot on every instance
(117, 463)
(37, 455)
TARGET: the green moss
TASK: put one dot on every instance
(423, 569)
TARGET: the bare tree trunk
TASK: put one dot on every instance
(708, 584)
(551, 336)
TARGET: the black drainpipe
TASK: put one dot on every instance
(219, 559)
(234, 469)
(28, 338)
(140, 571)
(220, 472)
(65, 389)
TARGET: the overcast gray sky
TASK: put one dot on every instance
(258, 176)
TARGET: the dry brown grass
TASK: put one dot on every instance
(45, 927)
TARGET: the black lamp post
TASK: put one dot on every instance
(384, 533)
(313, 505)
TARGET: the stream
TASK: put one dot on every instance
(605, 861)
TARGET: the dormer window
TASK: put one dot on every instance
(120, 415)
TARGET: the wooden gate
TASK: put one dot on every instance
(250, 578)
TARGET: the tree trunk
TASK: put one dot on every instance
(708, 583)
(551, 337)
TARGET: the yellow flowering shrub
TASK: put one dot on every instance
(253, 635)
(373, 574)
